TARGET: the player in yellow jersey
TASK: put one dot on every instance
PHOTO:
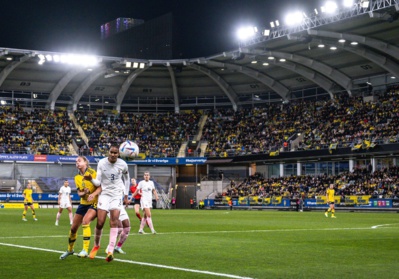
(28, 202)
(88, 194)
(330, 193)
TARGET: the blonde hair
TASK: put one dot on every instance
(85, 160)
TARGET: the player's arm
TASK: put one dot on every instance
(126, 179)
(155, 193)
(94, 194)
(59, 197)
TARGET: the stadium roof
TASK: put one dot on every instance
(289, 63)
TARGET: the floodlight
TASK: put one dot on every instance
(270, 58)
(348, 3)
(266, 32)
(321, 46)
(128, 64)
(354, 43)
(316, 11)
(142, 65)
(329, 7)
(254, 62)
(245, 33)
(282, 60)
(265, 64)
(272, 24)
(333, 48)
(341, 41)
(364, 3)
(277, 23)
(135, 65)
(295, 18)
(56, 58)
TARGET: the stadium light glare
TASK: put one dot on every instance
(277, 23)
(321, 46)
(245, 33)
(316, 11)
(266, 32)
(270, 58)
(254, 62)
(142, 65)
(272, 24)
(329, 7)
(135, 65)
(354, 43)
(364, 3)
(265, 64)
(333, 48)
(294, 18)
(282, 60)
(128, 64)
(341, 41)
(348, 3)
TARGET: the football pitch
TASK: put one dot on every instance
(210, 244)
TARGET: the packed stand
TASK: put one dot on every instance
(37, 131)
(157, 135)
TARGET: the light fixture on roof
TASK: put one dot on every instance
(265, 64)
(270, 58)
(364, 3)
(329, 7)
(354, 43)
(282, 60)
(333, 48)
(316, 11)
(9, 58)
(341, 41)
(272, 24)
(3, 102)
(142, 65)
(246, 33)
(392, 77)
(128, 64)
(348, 3)
(254, 62)
(266, 32)
(295, 18)
(321, 46)
(135, 65)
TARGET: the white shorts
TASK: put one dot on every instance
(108, 203)
(145, 204)
(65, 204)
(122, 215)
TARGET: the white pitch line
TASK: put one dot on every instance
(210, 232)
(383, 225)
(138, 263)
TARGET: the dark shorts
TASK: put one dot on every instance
(82, 209)
(137, 201)
(28, 203)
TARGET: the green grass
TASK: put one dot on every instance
(226, 244)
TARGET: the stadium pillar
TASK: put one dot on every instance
(374, 164)
(281, 170)
(351, 165)
(298, 168)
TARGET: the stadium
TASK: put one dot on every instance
(246, 142)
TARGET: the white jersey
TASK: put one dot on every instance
(114, 178)
(65, 193)
(146, 188)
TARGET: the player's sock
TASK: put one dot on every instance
(333, 212)
(71, 241)
(120, 230)
(24, 214)
(86, 237)
(70, 217)
(97, 237)
(149, 223)
(34, 214)
(58, 216)
(142, 224)
(138, 216)
(124, 235)
(112, 239)
(328, 210)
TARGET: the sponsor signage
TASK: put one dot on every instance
(94, 159)
(395, 203)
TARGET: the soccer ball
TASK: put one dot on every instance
(128, 149)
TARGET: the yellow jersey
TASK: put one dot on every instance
(28, 195)
(81, 184)
(330, 195)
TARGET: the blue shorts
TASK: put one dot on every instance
(82, 209)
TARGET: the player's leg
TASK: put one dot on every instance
(333, 211)
(33, 212)
(125, 226)
(149, 219)
(77, 221)
(137, 210)
(101, 217)
(57, 218)
(70, 214)
(90, 216)
(24, 213)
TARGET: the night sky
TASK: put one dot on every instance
(207, 26)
